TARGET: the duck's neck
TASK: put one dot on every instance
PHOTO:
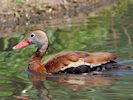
(40, 52)
(35, 60)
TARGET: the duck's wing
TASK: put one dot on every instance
(62, 61)
(100, 57)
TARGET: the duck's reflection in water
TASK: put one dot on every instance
(37, 80)
(74, 82)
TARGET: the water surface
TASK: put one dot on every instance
(110, 30)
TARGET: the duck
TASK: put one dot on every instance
(69, 62)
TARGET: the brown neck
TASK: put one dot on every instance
(35, 60)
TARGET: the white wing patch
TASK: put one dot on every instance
(81, 62)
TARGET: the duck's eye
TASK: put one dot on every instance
(32, 35)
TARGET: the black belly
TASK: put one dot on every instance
(87, 69)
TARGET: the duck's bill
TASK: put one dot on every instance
(22, 44)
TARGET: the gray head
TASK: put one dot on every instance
(36, 37)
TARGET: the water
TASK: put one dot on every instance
(111, 31)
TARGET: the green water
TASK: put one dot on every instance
(111, 30)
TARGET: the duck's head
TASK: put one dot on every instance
(37, 37)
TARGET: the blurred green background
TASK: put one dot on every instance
(109, 30)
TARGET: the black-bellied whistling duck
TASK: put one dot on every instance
(74, 62)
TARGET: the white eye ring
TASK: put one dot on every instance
(32, 35)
